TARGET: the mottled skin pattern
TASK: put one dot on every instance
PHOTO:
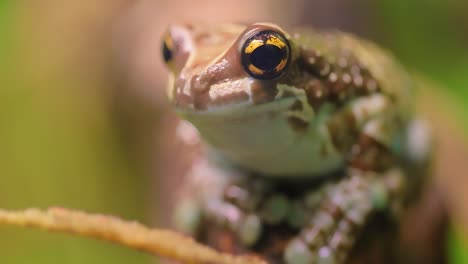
(319, 148)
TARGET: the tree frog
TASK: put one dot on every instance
(311, 131)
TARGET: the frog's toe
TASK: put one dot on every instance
(297, 252)
(247, 226)
(188, 216)
(250, 230)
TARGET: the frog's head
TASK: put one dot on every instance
(242, 87)
(225, 66)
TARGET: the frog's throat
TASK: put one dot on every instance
(260, 137)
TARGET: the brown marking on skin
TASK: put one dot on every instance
(332, 209)
(342, 77)
(343, 130)
(337, 86)
(263, 91)
(314, 63)
(353, 226)
(298, 124)
(296, 106)
(363, 80)
(313, 236)
(338, 242)
(317, 93)
(370, 154)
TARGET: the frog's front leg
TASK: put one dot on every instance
(332, 230)
(375, 181)
(225, 198)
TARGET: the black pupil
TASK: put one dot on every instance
(266, 57)
(167, 54)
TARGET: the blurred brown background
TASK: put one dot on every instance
(84, 122)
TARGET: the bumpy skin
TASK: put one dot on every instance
(318, 149)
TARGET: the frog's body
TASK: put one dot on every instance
(278, 106)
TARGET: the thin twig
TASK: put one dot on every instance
(160, 242)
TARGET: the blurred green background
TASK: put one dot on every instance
(82, 110)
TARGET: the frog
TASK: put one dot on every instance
(309, 129)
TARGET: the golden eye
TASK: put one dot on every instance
(167, 49)
(266, 54)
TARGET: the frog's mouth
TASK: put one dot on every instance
(244, 129)
(239, 111)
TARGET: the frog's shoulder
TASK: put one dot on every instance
(392, 76)
(394, 80)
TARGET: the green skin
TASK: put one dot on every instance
(341, 106)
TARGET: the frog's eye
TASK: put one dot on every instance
(167, 49)
(266, 54)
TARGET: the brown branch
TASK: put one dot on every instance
(164, 243)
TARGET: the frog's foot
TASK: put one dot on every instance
(333, 229)
(234, 210)
(237, 209)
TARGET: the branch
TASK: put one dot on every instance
(164, 243)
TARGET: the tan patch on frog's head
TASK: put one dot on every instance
(210, 71)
